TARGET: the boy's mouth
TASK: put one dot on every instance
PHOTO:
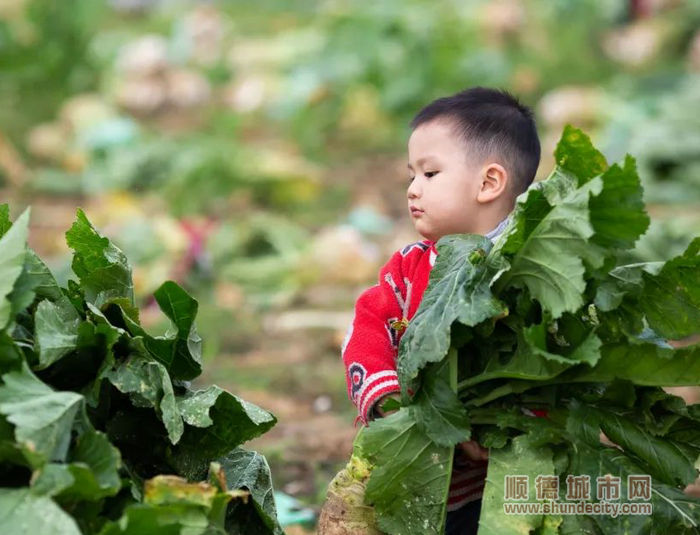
(415, 211)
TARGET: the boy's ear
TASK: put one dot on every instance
(494, 182)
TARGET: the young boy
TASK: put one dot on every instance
(470, 155)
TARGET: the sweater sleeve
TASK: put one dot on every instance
(370, 347)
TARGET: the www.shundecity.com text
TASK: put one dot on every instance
(613, 509)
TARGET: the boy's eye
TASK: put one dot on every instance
(428, 174)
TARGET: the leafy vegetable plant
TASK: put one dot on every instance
(100, 431)
(546, 318)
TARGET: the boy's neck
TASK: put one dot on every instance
(492, 224)
(492, 234)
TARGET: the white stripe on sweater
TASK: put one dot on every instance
(370, 380)
(467, 475)
(371, 393)
(468, 499)
(467, 490)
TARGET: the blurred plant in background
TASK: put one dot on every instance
(255, 152)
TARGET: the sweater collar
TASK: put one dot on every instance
(493, 234)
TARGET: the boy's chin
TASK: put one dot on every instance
(429, 236)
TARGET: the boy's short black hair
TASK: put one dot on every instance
(491, 122)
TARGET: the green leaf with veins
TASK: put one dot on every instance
(102, 268)
(408, 486)
(457, 291)
(43, 418)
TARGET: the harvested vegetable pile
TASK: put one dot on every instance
(100, 431)
(546, 318)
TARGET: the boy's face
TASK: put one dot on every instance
(445, 185)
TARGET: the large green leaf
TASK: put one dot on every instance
(13, 249)
(436, 407)
(671, 298)
(42, 417)
(666, 294)
(685, 431)
(673, 512)
(576, 154)
(546, 242)
(217, 422)
(593, 459)
(410, 480)
(179, 351)
(519, 458)
(664, 458)
(91, 473)
(458, 290)
(212, 497)
(588, 350)
(195, 406)
(24, 513)
(661, 458)
(35, 280)
(571, 221)
(37, 277)
(148, 385)
(249, 470)
(173, 505)
(621, 281)
(527, 362)
(617, 212)
(643, 364)
(56, 326)
(185, 348)
(103, 270)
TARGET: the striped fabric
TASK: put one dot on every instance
(468, 480)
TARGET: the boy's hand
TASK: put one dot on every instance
(378, 406)
(474, 451)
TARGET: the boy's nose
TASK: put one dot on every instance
(413, 191)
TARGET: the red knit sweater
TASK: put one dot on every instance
(371, 346)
